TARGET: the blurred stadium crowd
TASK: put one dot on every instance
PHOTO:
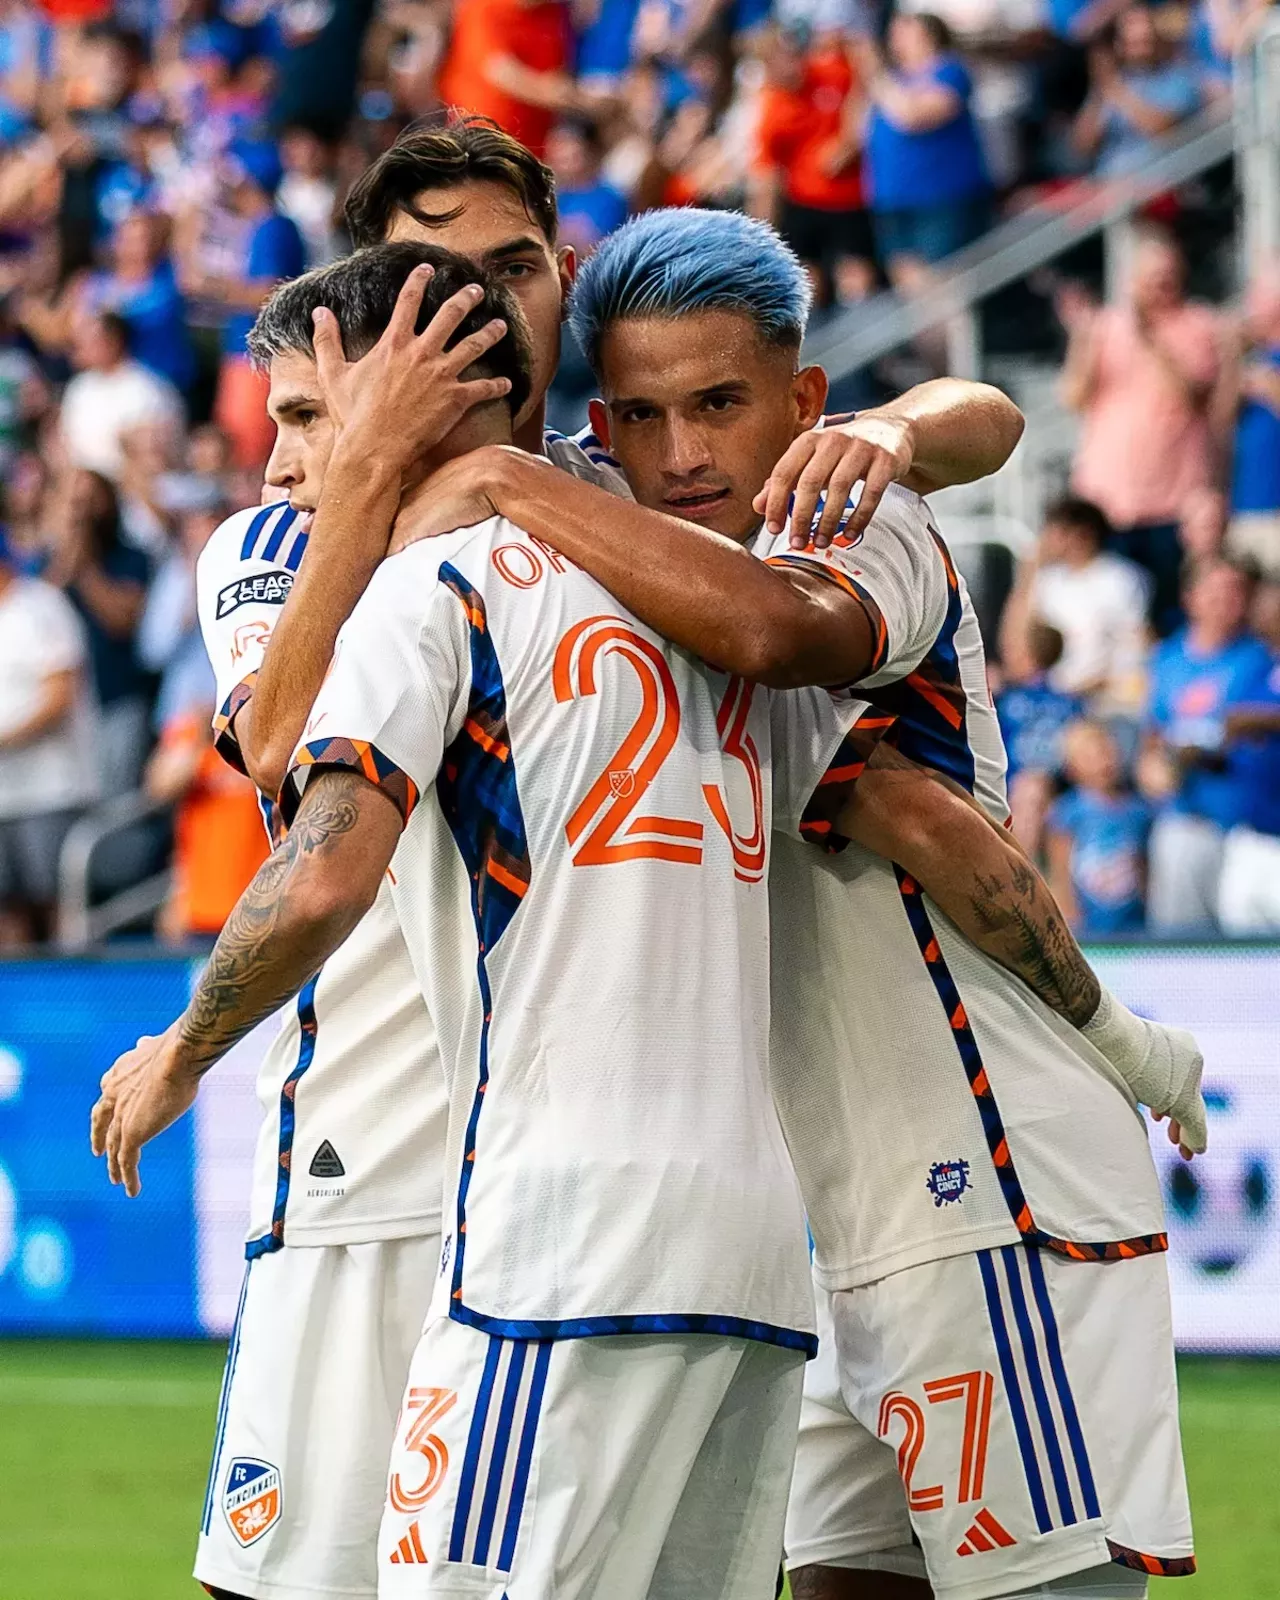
(165, 161)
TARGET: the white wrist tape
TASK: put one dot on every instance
(1162, 1066)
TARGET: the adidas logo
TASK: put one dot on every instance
(985, 1534)
(326, 1162)
(409, 1552)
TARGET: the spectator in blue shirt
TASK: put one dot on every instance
(1249, 893)
(1254, 532)
(1033, 718)
(589, 207)
(929, 189)
(273, 249)
(1195, 676)
(1139, 93)
(141, 288)
(1097, 837)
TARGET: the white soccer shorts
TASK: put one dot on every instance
(1015, 1413)
(637, 1467)
(315, 1372)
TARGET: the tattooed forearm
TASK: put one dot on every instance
(281, 929)
(1027, 933)
(976, 872)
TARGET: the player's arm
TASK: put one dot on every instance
(304, 901)
(788, 626)
(977, 874)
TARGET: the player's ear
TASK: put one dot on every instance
(567, 266)
(809, 390)
(598, 415)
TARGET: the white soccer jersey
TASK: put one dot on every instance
(581, 881)
(933, 1105)
(352, 1141)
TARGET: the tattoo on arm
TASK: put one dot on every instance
(1017, 911)
(271, 945)
(991, 891)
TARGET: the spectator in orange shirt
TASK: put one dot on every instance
(511, 61)
(808, 162)
(218, 838)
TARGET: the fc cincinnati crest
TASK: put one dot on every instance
(252, 1501)
(947, 1181)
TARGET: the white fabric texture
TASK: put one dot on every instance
(315, 1373)
(1047, 1380)
(631, 1467)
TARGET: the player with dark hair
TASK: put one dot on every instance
(959, 1144)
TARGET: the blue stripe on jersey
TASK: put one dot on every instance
(1013, 1392)
(930, 703)
(1035, 1376)
(471, 1460)
(477, 790)
(274, 1239)
(275, 539)
(498, 1457)
(604, 1327)
(294, 559)
(1067, 1400)
(224, 1406)
(524, 1458)
(255, 528)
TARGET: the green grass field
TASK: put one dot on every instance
(103, 1453)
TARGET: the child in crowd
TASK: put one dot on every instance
(1097, 837)
(1033, 715)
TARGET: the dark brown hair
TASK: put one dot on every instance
(440, 155)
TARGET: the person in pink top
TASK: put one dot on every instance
(1143, 375)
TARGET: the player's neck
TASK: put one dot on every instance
(528, 436)
(490, 424)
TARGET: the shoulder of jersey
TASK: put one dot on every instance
(258, 534)
(585, 457)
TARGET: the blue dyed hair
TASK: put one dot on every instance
(676, 262)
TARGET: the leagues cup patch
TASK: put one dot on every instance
(947, 1181)
(264, 589)
(252, 1501)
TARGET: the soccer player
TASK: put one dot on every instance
(604, 1400)
(227, 1009)
(330, 1249)
(996, 1407)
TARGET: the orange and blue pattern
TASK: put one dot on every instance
(480, 798)
(359, 756)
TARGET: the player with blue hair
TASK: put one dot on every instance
(962, 1139)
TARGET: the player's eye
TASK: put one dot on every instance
(720, 402)
(634, 414)
(304, 418)
(517, 270)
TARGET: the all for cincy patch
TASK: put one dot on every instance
(264, 589)
(947, 1181)
(253, 1499)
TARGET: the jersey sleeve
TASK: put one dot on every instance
(397, 689)
(821, 745)
(243, 578)
(899, 569)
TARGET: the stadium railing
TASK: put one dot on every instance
(81, 923)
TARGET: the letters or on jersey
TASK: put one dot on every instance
(352, 1140)
(932, 1103)
(582, 885)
